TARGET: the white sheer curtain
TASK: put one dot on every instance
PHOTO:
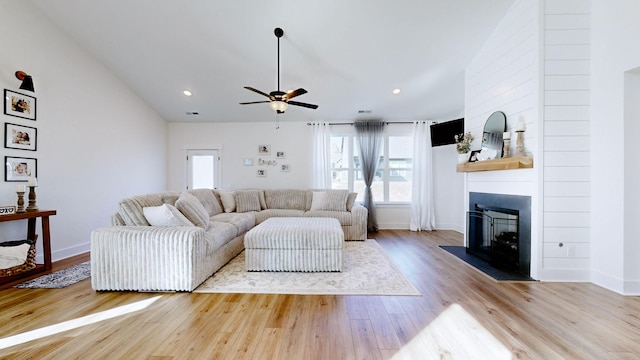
(422, 210)
(321, 176)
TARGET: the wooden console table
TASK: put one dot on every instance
(31, 217)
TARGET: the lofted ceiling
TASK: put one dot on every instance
(348, 55)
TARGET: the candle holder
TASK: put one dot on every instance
(20, 208)
(520, 143)
(32, 199)
(506, 148)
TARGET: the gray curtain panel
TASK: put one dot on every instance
(369, 137)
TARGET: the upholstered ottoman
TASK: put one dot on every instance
(295, 244)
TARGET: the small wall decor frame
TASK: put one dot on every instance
(20, 168)
(261, 173)
(281, 155)
(20, 105)
(20, 137)
(285, 167)
(248, 161)
(474, 155)
(264, 149)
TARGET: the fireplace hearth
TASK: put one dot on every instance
(499, 230)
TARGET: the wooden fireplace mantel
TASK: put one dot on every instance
(510, 163)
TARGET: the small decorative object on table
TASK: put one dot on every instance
(506, 148)
(32, 183)
(20, 190)
(7, 210)
(463, 146)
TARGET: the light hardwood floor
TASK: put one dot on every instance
(533, 320)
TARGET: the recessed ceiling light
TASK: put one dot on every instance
(187, 92)
(396, 91)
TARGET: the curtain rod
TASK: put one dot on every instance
(386, 123)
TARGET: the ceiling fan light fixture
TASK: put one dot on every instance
(278, 106)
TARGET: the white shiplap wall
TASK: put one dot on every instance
(566, 140)
(505, 76)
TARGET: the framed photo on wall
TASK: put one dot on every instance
(20, 137)
(264, 149)
(261, 173)
(19, 168)
(280, 155)
(20, 105)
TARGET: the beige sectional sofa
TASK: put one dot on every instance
(171, 241)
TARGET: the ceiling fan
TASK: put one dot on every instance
(280, 100)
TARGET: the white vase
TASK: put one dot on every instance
(463, 158)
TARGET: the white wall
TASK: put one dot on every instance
(97, 142)
(240, 140)
(505, 76)
(448, 195)
(615, 51)
(566, 115)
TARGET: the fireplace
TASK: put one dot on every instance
(499, 230)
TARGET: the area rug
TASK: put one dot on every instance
(59, 279)
(367, 270)
(483, 265)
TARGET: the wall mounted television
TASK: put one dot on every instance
(443, 133)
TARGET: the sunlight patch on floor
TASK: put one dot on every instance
(75, 323)
(454, 334)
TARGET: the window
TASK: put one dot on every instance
(392, 181)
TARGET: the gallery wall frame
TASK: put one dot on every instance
(20, 137)
(264, 149)
(19, 105)
(18, 169)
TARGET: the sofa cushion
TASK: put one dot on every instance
(131, 208)
(228, 199)
(242, 221)
(165, 215)
(208, 200)
(170, 198)
(344, 217)
(286, 199)
(269, 213)
(191, 207)
(331, 200)
(247, 200)
(219, 234)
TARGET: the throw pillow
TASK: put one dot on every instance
(165, 215)
(317, 203)
(208, 200)
(247, 200)
(336, 200)
(228, 199)
(190, 207)
(351, 200)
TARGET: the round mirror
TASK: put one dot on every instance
(495, 126)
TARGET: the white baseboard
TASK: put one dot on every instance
(65, 253)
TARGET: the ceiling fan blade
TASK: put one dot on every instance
(295, 93)
(255, 102)
(311, 106)
(259, 92)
